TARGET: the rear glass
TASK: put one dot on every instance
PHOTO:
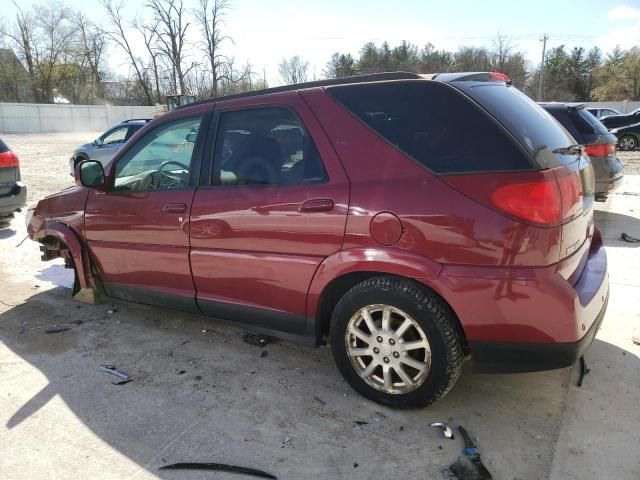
(531, 124)
(586, 123)
(3, 147)
(434, 124)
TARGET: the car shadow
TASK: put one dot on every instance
(200, 394)
(6, 231)
(617, 224)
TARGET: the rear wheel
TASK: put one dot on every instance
(627, 143)
(396, 343)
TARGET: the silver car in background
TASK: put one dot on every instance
(106, 145)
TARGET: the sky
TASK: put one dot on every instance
(264, 32)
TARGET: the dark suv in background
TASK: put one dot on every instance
(614, 121)
(598, 143)
(13, 193)
(411, 221)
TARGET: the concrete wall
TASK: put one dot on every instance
(623, 107)
(42, 118)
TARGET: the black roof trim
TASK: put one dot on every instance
(131, 120)
(373, 77)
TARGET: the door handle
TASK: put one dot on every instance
(174, 208)
(317, 205)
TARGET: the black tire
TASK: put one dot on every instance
(435, 318)
(627, 143)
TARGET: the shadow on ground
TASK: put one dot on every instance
(201, 394)
(6, 231)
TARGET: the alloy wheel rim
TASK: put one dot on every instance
(627, 143)
(388, 349)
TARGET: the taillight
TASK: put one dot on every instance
(602, 150)
(546, 198)
(8, 159)
(499, 76)
(571, 192)
(537, 202)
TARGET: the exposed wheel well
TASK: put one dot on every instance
(335, 290)
(52, 247)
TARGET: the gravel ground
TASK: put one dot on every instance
(631, 162)
(201, 394)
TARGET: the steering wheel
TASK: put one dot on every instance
(173, 178)
(172, 162)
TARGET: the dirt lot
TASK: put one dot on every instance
(201, 394)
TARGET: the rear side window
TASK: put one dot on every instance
(265, 146)
(586, 123)
(531, 124)
(3, 147)
(434, 124)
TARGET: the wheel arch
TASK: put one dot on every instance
(340, 272)
(55, 235)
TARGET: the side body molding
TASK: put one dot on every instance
(377, 259)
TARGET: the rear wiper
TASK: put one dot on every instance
(570, 150)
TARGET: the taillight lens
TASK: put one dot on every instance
(546, 198)
(602, 150)
(503, 77)
(571, 193)
(538, 202)
(8, 159)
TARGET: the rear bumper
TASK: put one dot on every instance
(530, 319)
(14, 200)
(499, 357)
(609, 174)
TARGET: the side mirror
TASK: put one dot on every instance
(89, 173)
(98, 142)
(191, 137)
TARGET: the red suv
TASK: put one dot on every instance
(410, 221)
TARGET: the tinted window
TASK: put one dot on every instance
(531, 124)
(3, 147)
(132, 130)
(265, 146)
(586, 123)
(161, 159)
(434, 124)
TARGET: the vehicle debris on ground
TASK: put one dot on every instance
(124, 376)
(219, 467)
(446, 430)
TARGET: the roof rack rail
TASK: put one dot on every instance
(372, 77)
(137, 120)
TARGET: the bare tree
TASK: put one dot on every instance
(24, 39)
(92, 42)
(293, 70)
(118, 35)
(171, 30)
(149, 34)
(57, 31)
(502, 51)
(210, 18)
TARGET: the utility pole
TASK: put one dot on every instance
(544, 39)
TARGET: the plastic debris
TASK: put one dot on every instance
(124, 376)
(218, 467)
(629, 239)
(446, 430)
